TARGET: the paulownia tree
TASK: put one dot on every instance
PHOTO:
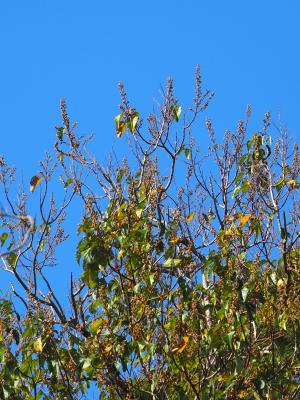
(190, 284)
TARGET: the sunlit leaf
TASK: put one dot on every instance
(244, 292)
(95, 325)
(182, 345)
(87, 363)
(190, 217)
(244, 219)
(172, 262)
(280, 284)
(38, 345)
(137, 287)
(151, 279)
(169, 312)
(34, 181)
(108, 348)
(176, 112)
(133, 122)
(283, 321)
(293, 184)
(187, 153)
(236, 191)
(230, 336)
(139, 212)
(121, 253)
(120, 125)
(176, 240)
(244, 186)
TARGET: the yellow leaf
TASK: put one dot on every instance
(293, 184)
(170, 311)
(121, 129)
(282, 321)
(38, 345)
(108, 348)
(176, 240)
(223, 378)
(182, 345)
(120, 125)
(34, 181)
(120, 254)
(243, 394)
(96, 325)
(121, 215)
(190, 217)
(280, 284)
(244, 219)
(139, 212)
(228, 233)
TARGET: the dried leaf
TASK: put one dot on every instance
(34, 181)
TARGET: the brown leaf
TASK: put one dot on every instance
(34, 181)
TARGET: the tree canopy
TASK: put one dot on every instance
(190, 283)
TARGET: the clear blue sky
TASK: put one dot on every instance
(248, 52)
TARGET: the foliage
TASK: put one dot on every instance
(190, 280)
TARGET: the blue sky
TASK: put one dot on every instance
(248, 53)
(80, 50)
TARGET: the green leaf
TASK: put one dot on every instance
(60, 132)
(61, 156)
(67, 182)
(242, 161)
(134, 121)
(95, 325)
(244, 186)
(239, 365)
(230, 337)
(282, 321)
(117, 120)
(172, 262)
(137, 288)
(279, 184)
(12, 258)
(3, 238)
(187, 153)
(273, 277)
(239, 177)
(244, 293)
(90, 275)
(151, 279)
(121, 173)
(249, 144)
(87, 363)
(176, 112)
(120, 125)
(283, 233)
(236, 191)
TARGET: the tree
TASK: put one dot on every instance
(190, 280)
